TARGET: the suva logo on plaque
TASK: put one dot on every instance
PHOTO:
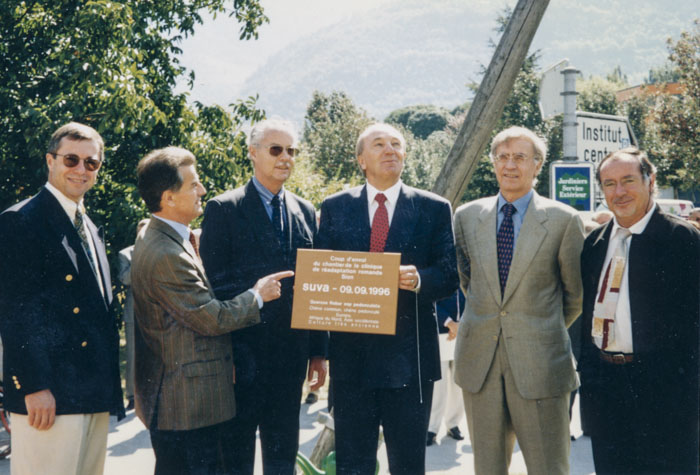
(599, 134)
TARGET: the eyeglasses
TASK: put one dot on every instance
(276, 150)
(71, 160)
(518, 158)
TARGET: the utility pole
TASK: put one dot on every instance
(490, 99)
(569, 125)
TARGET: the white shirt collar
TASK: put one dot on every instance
(636, 228)
(391, 193)
(68, 205)
(181, 229)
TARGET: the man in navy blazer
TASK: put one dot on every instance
(639, 369)
(248, 233)
(388, 379)
(60, 336)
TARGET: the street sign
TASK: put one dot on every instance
(551, 88)
(599, 134)
(572, 183)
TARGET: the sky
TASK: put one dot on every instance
(222, 63)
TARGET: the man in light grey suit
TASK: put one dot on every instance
(518, 256)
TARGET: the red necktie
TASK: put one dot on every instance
(193, 241)
(380, 226)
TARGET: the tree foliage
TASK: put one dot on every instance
(422, 120)
(331, 127)
(673, 135)
(114, 66)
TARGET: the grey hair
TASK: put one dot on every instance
(538, 143)
(257, 133)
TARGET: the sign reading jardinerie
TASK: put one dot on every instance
(346, 291)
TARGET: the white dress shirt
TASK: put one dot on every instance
(623, 342)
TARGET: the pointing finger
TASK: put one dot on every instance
(281, 275)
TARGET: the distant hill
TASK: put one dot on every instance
(425, 52)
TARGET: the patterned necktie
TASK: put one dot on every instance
(193, 241)
(504, 244)
(277, 219)
(603, 329)
(80, 228)
(380, 226)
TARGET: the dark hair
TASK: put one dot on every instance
(76, 131)
(646, 168)
(159, 172)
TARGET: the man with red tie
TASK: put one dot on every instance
(388, 379)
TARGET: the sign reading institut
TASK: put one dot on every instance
(346, 291)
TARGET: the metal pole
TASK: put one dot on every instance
(570, 124)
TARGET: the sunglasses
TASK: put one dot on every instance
(276, 150)
(71, 160)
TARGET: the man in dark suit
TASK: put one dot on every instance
(639, 350)
(249, 232)
(184, 369)
(388, 379)
(60, 337)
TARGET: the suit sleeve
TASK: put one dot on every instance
(124, 268)
(215, 251)
(463, 261)
(27, 325)
(569, 258)
(439, 278)
(178, 287)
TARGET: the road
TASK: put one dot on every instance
(129, 448)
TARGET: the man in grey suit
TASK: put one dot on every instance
(184, 363)
(518, 257)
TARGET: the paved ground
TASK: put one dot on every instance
(129, 449)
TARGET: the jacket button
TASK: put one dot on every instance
(504, 313)
(76, 310)
(495, 338)
(17, 385)
(83, 344)
(69, 277)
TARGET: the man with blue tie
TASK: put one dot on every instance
(518, 258)
(388, 380)
(60, 335)
(247, 233)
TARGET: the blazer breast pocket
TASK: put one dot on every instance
(200, 369)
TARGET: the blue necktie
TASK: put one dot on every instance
(277, 220)
(505, 240)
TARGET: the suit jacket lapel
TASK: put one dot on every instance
(486, 246)
(358, 214)
(402, 223)
(170, 232)
(531, 236)
(101, 258)
(295, 218)
(59, 223)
